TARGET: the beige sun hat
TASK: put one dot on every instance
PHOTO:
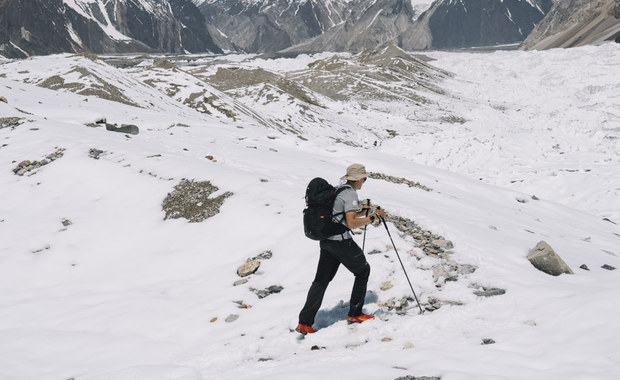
(355, 172)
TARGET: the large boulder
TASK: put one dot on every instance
(544, 258)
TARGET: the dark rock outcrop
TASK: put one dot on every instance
(470, 23)
(32, 27)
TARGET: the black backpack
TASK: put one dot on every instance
(318, 218)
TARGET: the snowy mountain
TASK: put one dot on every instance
(577, 23)
(133, 188)
(355, 25)
(34, 27)
(469, 23)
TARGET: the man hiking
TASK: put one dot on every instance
(341, 249)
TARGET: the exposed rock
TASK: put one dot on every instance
(576, 23)
(95, 153)
(545, 259)
(489, 292)
(124, 128)
(27, 166)
(191, 200)
(608, 267)
(386, 285)
(66, 222)
(409, 377)
(584, 267)
(6, 122)
(3, 99)
(240, 282)
(248, 268)
(488, 341)
(173, 26)
(262, 293)
(399, 180)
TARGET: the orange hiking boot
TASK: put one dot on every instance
(303, 329)
(360, 318)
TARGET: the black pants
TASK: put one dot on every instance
(334, 253)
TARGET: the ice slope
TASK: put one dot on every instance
(122, 294)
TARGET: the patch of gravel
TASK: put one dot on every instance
(191, 200)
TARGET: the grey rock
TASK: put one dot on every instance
(490, 292)
(608, 267)
(545, 259)
(240, 282)
(124, 128)
(467, 269)
(95, 153)
(409, 377)
(488, 341)
(584, 267)
(441, 243)
(66, 222)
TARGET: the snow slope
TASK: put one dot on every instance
(121, 293)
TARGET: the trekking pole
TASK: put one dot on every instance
(364, 241)
(401, 264)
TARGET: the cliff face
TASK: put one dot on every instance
(468, 23)
(322, 25)
(272, 25)
(31, 27)
(575, 23)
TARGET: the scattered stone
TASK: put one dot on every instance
(399, 180)
(232, 318)
(3, 99)
(544, 258)
(521, 200)
(190, 200)
(409, 377)
(445, 244)
(124, 128)
(66, 222)
(386, 339)
(273, 289)
(488, 341)
(408, 346)
(534, 197)
(95, 153)
(6, 122)
(400, 307)
(490, 292)
(386, 285)
(584, 267)
(467, 269)
(210, 158)
(530, 322)
(264, 256)
(213, 320)
(240, 282)
(47, 247)
(608, 267)
(262, 293)
(264, 359)
(248, 268)
(374, 252)
(315, 348)
(440, 275)
(27, 166)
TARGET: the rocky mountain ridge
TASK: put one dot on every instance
(31, 27)
(576, 23)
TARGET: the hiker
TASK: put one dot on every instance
(341, 249)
